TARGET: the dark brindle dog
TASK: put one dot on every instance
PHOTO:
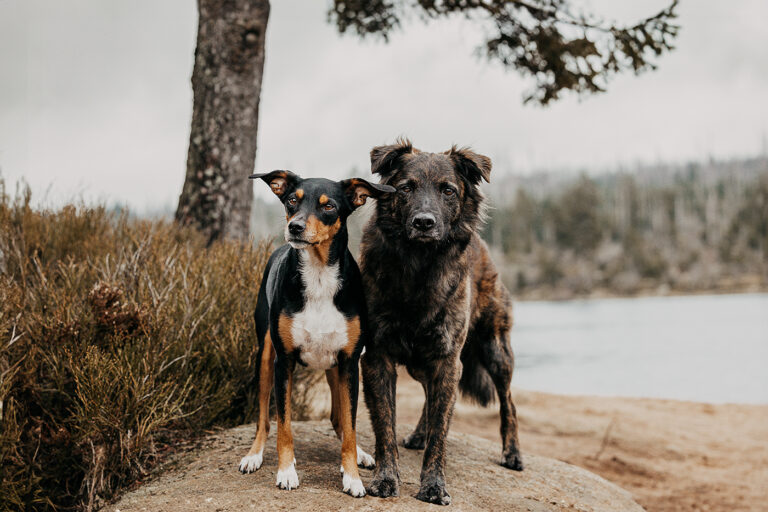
(436, 305)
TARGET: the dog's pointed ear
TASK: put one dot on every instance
(358, 189)
(472, 166)
(385, 159)
(281, 182)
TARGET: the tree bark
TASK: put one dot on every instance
(226, 83)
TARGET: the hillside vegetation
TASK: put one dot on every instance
(699, 228)
(119, 339)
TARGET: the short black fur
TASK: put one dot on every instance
(315, 263)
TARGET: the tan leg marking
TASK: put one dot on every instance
(253, 460)
(284, 325)
(284, 434)
(353, 335)
(267, 375)
(332, 376)
(286, 461)
(351, 479)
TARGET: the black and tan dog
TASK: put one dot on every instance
(436, 305)
(311, 311)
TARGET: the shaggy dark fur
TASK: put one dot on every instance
(436, 305)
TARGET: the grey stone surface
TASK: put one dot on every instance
(208, 479)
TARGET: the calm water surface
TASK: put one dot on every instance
(703, 348)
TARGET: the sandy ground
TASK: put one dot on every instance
(672, 456)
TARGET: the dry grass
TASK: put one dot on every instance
(117, 338)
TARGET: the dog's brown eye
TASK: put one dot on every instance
(329, 207)
(448, 191)
(406, 188)
(292, 201)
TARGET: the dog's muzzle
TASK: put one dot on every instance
(423, 227)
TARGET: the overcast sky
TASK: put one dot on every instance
(95, 97)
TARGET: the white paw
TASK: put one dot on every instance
(364, 460)
(353, 486)
(288, 479)
(251, 463)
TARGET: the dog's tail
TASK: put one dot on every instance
(476, 382)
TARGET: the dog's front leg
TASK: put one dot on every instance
(348, 390)
(380, 381)
(286, 461)
(418, 438)
(253, 460)
(442, 384)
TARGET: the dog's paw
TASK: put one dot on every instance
(415, 441)
(287, 479)
(364, 460)
(251, 463)
(384, 487)
(434, 493)
(513, 461)
(353, 486)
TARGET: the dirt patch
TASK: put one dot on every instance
(671, 455)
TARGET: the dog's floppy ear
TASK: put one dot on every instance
(384, 159)
(280, 182)
(358, 189)
(472, 166)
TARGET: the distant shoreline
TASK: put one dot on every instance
(681, 401)
(565, 294)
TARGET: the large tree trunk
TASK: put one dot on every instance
(226, 82)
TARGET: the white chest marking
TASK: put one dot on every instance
(319, 330)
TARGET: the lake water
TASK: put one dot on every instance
(702, 348)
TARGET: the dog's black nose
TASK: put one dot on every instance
(296, 228)
(423, 221)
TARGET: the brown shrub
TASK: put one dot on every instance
(117, 337)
